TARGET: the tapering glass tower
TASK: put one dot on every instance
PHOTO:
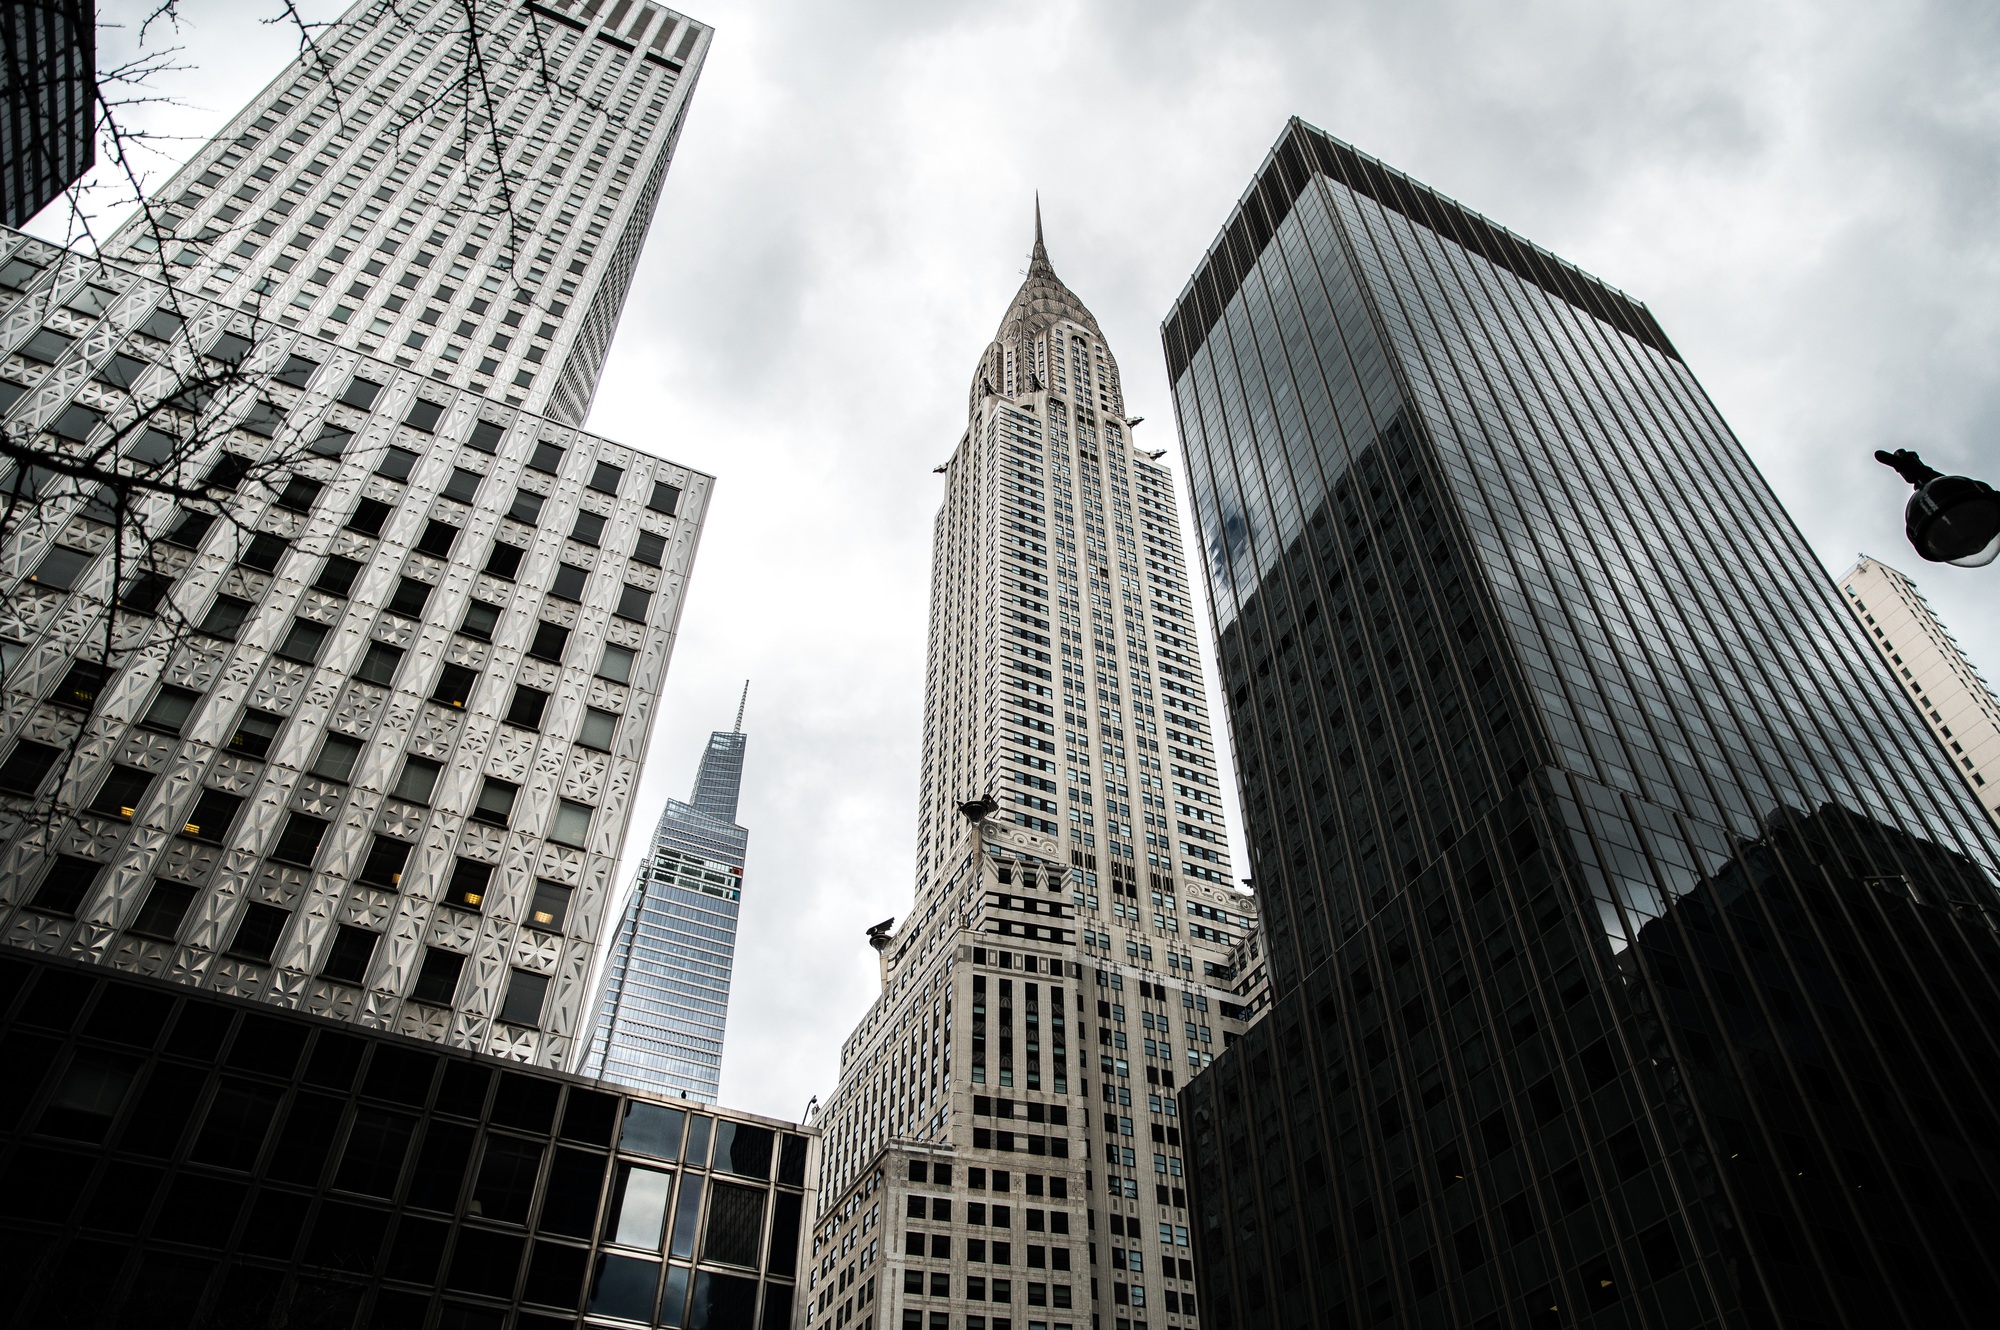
(462, 189)
(1632, 950)
(1011, 1097)
(664, 1001)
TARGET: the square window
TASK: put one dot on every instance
(527, 707)
(666, 498)
(258, 931)
(225, 615)
(301, 492)
(550, 640)
(369, 514)
(361, 393)
(229, 348)
(589, 528)
(59, 568)
(76, 423)
(523, 1003)
(597, 728)
(166, 906)
(298, 371)
(616, 664)
(121, 791)
(496, 801)
(153, 447)
(606, 477)
(571, 825)
(384, 865)
(337, 756)
(171, 708)
(409, 597)
(463, 485)
(649, 549)
(486, 436)
(437, 538)
(480, 620)
(418, 780)
(65, 885)
(299, 842)
(454, 685)
(527, 507)
(213, 812)
(347, 959)
(263, 552)
(546, 457)
(550, 908)
(45, 347)
(437, 980)
(121, 372)
(27, 766)
(332, 442)
(379, 665)
(634, 603)
(80, 685)
(503, 560)
(424, 416)
(569, 581)
(396, 463)
(254, 732)
(190, 529)
(303, 641)
(469, 882)
(337, 574)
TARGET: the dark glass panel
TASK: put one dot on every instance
(485, 1262)
(463, 1093)
(555, 1275)
(743, 1149)
(590, 1117)
(418, 1250)
(506, 1185)
(312, 1123)
(267, 1045)
(123, 1196)
(624, 1286)
(576, 1181)
(335, 1059)
(204, 1210)
(130, 1015)
(277, 1218)
(232, 1135)
(400, 1075)
(346, 1237)
(527, 1102)
(377, 1144)
(441, 1167)
(721, 1302)
(735, 1224)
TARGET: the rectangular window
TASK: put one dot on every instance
(254, 732)
(27, 766)
(424, 416)
(369, 514)
(463, 485)
(409, 597)
(546, 457)
(298, 371)
(616, 664)
(649, 549)
(213, 812)
(437, 538)
(527, 507)
(396, 463)
(454, 685)
(469, 882)
(65, 885)
(190, 529)
(361, 393)
(569, 581)
(379, 665)
(597, 728)
(550, 908)
(258, 931)
(336, 575)
(418, 780)
(480, 620)
(59, 568)
(523, 1003)
(606, 478)
(384, 865)
(263, 552)
(80, 685)
(437, 979)
(121, 791)
(486, 436)
(634, 603)
(503, 560)
(666, 498)
(337, 756)
(496, 801)
(571, 825)
(299, 842)
(225, 615)
(332, 442)
(550, 640)
(303, 641)
(166, 906)
(144, 593)
(589, 529)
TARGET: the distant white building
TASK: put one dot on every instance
(1956, 703)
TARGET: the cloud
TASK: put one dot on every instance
(1803, 193)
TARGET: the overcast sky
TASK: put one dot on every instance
(1805, 195)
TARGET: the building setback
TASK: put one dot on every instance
(1007, 1111)
(358, 197)
(368, 742)
(1632, 954)
(1954, 701)
(48, 102)
(178, 1159)
(664, 1001)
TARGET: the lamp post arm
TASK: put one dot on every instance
(1908, 465)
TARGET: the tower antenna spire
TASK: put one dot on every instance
(744, 702)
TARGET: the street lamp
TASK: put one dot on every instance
(1950, 519)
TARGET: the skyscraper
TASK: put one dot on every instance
(1010, 1099)
(1632, 953)
(471, 213)
(664, 1000)
(48, 102)
(1954, 701)
(328, 678)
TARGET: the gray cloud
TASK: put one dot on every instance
(1804, 194)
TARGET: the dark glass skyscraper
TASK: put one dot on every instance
(1632, 952)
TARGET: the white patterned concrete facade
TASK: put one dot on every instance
(391, 785)
(1930, 669)
(483, 236)
(1006, 1113)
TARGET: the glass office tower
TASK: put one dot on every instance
(1632, 950)
(665, 996)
